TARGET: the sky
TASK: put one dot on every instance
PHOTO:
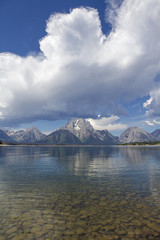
(98, 60)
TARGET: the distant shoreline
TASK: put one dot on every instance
(79, 145)
(141, 144)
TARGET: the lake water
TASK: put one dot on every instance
(71, 193)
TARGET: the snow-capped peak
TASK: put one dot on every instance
(76, 126)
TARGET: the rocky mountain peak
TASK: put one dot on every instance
(135, 134)
(81, 128)
(80, 131)
(79, 124)
(31, 129)
(32, 135)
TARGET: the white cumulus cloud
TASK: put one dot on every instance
(149, 123)
(79, 70)
(156, 122)
(152, 123)
(153, 103)
(107, 123)
(112, 10)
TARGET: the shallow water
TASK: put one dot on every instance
(79, 192)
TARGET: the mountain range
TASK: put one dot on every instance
(31, 135)
(78, 131)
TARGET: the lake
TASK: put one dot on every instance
(49, 192)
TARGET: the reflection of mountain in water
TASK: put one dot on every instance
(18, 154)
(87, 152)
(129, 167)
(80, 159)
(22, 163)
(134, 155)
(139, 155)
(149, 160)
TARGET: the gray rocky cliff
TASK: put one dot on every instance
(135, 134)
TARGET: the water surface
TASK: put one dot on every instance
(79, 192)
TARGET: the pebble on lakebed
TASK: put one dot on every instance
(80, 216)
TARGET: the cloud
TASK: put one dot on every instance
(156, 122)
(112, 10)
(79, 70)
(147, 103)
(153, 103)
(149, 123)
(152, 123)
(107, 123)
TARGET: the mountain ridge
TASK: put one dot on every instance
(83, 133)
(30, 135)
(80, 132)
(135, 134)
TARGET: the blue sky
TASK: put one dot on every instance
(64, 59)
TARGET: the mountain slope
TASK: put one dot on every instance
(106, 137)
(80, 131)
(4, 137)
(31, 135)
(156, 134)
(61, 136)
(81, 128)
(88, 135)
(15, 135)
(135, 134)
